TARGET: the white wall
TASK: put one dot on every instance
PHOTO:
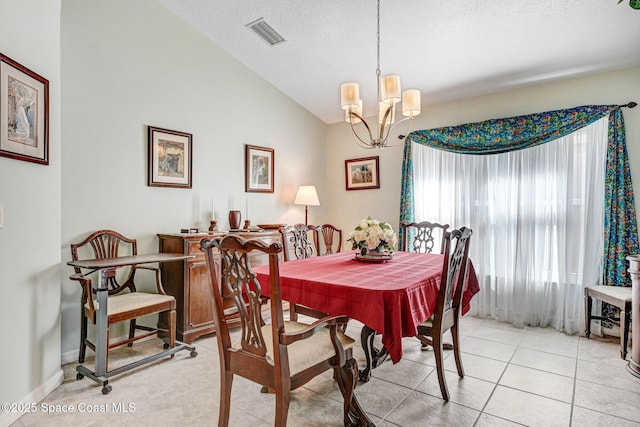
(346, 208)
(30, 239)
(126, 65)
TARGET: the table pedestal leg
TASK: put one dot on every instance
(373, 356)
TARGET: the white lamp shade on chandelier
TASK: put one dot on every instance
(390, 91)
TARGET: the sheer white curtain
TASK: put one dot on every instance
(537, 220)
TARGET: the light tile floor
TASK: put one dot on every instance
(530, 376)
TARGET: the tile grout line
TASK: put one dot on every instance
(482, 411)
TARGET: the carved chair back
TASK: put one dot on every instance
(106, 244)
(238, 283)
(329, 235)
(453, 273)
(296, 238)
(422, 236)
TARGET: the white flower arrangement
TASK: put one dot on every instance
(372, 235)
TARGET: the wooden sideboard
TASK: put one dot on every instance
(189, 280)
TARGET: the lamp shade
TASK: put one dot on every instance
(307, 195)
(390, 88)
(349, 95)
(411, 102)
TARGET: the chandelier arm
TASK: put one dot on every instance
(396, 124)
(383, 124)
(357, 137)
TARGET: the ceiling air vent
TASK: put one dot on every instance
(266, 33)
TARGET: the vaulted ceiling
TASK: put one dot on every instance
(449, 49)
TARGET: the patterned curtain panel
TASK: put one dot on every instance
(515, 133)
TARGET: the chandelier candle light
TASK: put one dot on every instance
(389, 94)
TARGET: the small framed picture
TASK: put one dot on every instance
(170, 158)
(24, 113)
(362, 174)
(258, 169)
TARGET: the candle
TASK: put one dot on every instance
(246, 209)
(213, 212)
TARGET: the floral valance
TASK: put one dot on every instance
(513, 133)
(516, 133)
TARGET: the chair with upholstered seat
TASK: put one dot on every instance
(618, 296)
(281, 356)
(422, 236)
(448, 304)
(126, 303)
(330, 234)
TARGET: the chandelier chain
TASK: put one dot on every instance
(378, 40)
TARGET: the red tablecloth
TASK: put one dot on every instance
(392, 298)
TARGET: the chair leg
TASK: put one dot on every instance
(283, 397)
(437, 347)
(83, 338)
(226, 381)
(456, 350)
(293, 314)
(132, 331)
(624, 337)
(346, 379)
(588, 303)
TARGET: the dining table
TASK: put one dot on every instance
(389, 297)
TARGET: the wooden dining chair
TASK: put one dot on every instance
(422, 236)
(330, 234)
(126, 303)
(281, 356)
(295, 238)
(447, 312)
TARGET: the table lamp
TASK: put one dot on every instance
(307, 196)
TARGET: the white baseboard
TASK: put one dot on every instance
(39, 393)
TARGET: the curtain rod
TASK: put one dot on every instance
(630, 105)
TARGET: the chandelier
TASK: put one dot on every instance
(389, 94)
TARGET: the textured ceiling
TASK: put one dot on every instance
(448, 49)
